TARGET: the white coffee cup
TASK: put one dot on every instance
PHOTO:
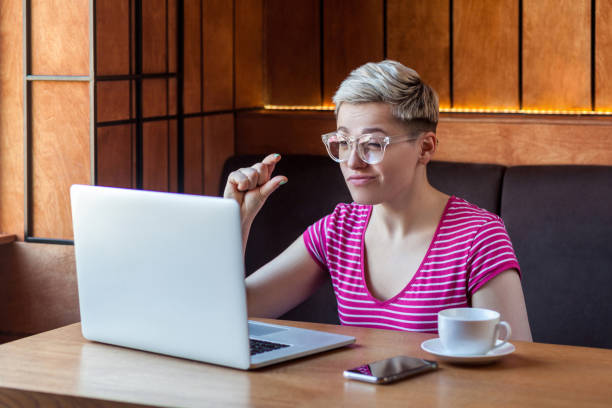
(471, 331)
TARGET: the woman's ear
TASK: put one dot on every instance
(427, 147)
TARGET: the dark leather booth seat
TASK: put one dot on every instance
(560, 221)
(558, 218)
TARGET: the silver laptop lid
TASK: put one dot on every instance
(161, 272)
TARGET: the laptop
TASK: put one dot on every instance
(164, 273)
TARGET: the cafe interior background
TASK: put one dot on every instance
(156, 94)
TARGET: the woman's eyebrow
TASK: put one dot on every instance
(364, 131)
(373, 130)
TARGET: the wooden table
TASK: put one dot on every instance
(61, 368)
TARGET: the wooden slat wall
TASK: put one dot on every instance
(154, 37)
(292, 52)
(249, 73)
(173, 156)
(154, 97)
(115, 99)
(486, 54)
(271, 51)
(557, 54)
(218, 39)
(208, 87)
(60, 37)
(112, 37)
(418, 37)
(346, 23)
(603, 55)
(525, 141)
(192, 60)
(218, 146)
(156, 159)
(155, 156)
(463, 138)
(193, 156)
(11, 118)
(60, 153)
(114, 150)
(264, 132)
(209, 137)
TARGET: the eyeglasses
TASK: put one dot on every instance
(370, 148)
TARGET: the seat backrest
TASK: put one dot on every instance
(480, 184)
(560, 221)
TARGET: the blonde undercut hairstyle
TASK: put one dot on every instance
(413, 101)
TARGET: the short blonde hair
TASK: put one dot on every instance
(413, 101)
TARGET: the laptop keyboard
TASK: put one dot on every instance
(260, 346)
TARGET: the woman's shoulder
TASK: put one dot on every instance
(461, 209)
(351, 210)
(349, 216)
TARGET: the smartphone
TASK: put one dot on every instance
(390, 369)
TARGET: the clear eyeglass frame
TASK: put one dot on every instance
(361, 143)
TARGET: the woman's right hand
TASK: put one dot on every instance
(251, 186)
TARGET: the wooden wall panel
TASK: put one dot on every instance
(154, 45)
(172, 33)
(248, 51)
(192, 61)
(292, 46)
(557, 54)
(114, 149)
(418, 37)
(173, 156)
(113, 100)
(172, 96)
(264, 132)
(463, 138)
(603, 55)
(512, 142)
(112, 37)
(485, 54)
(38, 288)
(218, 43)
(11, 118)
(60, 48)
(353, 35)
(218, 146)
(154, 97)
(193, 156)
(60, 154)
(155, 156)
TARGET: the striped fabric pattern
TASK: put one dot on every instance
(469, 248)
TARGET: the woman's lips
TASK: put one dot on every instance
(360, 180)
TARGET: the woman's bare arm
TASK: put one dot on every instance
(291, 277)
(284, 282)
(504, 294)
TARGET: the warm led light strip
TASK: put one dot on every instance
(456, 110)
(525, 111)
(300, 107)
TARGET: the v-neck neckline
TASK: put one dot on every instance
(418, 271)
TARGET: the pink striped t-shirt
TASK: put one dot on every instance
(469, 248)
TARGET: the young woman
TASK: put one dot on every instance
(402, 251)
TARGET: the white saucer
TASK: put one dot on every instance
(434, 346)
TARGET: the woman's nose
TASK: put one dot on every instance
(354, 161)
